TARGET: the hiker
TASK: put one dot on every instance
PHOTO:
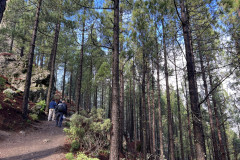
(60, 110)
(51, 112)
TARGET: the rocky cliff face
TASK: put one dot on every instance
(14, 68)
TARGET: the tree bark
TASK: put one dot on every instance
(134, 109)
(149, 114)
(179, 110)
(121, 111)
(2, 8)
(64, 76)
(30, 61)
(114, 152)
(95, 97)
(12, 37)
(70, 87)
(52, 72)
(189, 124)
(212, 126)
(169, 110)
(222, 150)
(225, 135)
(153, 113)
(159, 102)
(143, 107)
(197, 117)
(79, 78)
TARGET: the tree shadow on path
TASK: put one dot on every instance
(34, 155)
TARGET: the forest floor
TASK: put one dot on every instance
(41, 141)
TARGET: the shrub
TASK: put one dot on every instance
(2, 82)
(1, 107)
(41, 103)
(39, 107)
(69, 156)
(75, 145)
(82, 156)
(90, 130)
(33, 116)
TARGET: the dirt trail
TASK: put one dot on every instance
(44, 141)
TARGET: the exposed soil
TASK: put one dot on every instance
(43, 141)
(27, 140)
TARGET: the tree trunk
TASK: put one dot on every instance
(149, 114)
(134, 109)
(169, 110)
(102, 98)
(12, 37)
(212, 126)
(179, 110)
(189, 123)
(153, 113)
(222, 150)
(2, 8)
(159, 102)
(30, 60)
(64, 76)
(225, 135)
(140, 115)
(121, 111)
(95, 98)
(110, 102)
(114, 152)
(70, 88)
(197, 117)
(52, 74)
(79, 78)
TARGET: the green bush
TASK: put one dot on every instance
(75, 145)
(1, 107)
(2, 82)
(41, 103)
(39, 107)
(82, 156)
(33, 116)
(87, 129)
(69, 156)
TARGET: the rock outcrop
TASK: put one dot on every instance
(14, 68)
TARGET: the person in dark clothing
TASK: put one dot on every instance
(51, 111)
(61, 109)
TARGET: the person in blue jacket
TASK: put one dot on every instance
(61, 109)
(51, 112)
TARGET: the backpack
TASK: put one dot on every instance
(61, 108)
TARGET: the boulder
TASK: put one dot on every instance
(14, 68)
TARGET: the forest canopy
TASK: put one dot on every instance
(166, 72)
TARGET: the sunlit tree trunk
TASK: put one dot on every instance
(114, 147)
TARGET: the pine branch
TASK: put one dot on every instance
(100, 46)
(214, 88)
